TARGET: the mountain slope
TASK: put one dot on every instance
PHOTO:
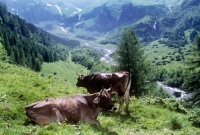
(152, 20)
(174, 24)
(91, 17)
(28, 45)
(20, 87)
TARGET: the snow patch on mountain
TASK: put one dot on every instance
(49, 5)
(59, 10)
(79, 10)
(63, 29)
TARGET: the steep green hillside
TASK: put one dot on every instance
(64, 71)
(28, 45)
(20, 86)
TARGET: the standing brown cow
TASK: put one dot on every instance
(71, 109)
(120, 81)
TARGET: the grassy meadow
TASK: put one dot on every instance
(168, 57)
(147, 116)
(64, 71)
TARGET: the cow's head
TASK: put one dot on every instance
(103, 100)
(82, 80)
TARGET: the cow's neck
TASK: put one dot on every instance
(90, 98)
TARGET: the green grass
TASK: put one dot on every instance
(64, 70)
(20, 86)
(165, 56)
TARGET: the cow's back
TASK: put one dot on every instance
(73, 107)
(118, 80)
(70, 109)
(99, 80)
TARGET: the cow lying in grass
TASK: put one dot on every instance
(70, 109)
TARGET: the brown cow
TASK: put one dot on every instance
(71, 109)
(120, 81)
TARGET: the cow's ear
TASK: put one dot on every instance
(96, 100)
(109, 89)
(80, 76)
(101, 91)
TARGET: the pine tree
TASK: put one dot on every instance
(131, 57)
(192, 82)
(3, 52)
(38, 65)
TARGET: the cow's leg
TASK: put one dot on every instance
(56, 113)
(90, 116)
(91, 120)
(127, 98)
(42, 121)
(45, 120)
(127, 103)
(121, 102)
(96, 113)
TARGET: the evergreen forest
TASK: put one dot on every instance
(28, 45)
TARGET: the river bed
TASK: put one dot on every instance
(177, 92)
(107, 52)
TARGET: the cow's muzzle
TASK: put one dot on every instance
(113, 108)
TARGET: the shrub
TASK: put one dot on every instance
(195, 118)
(170, 103)
(175, 123)
(159, 92)
(196, 122)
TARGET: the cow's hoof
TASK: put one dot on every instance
(76, 127)
(59, 123)
(127, 111)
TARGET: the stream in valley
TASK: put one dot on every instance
(107, 52)
(178, 93)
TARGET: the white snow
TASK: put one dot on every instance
(63, 29)
(49, 5)
(79, 10)
(59, 10)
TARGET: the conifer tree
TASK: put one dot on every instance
(192, 81)
(131, 57)
(3, 52)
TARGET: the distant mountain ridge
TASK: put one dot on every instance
(151, 19)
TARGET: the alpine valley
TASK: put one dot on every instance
(46, 45)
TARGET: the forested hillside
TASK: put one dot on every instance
(182, 25)
(29, 46)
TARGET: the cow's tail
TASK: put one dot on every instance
(127, 90)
